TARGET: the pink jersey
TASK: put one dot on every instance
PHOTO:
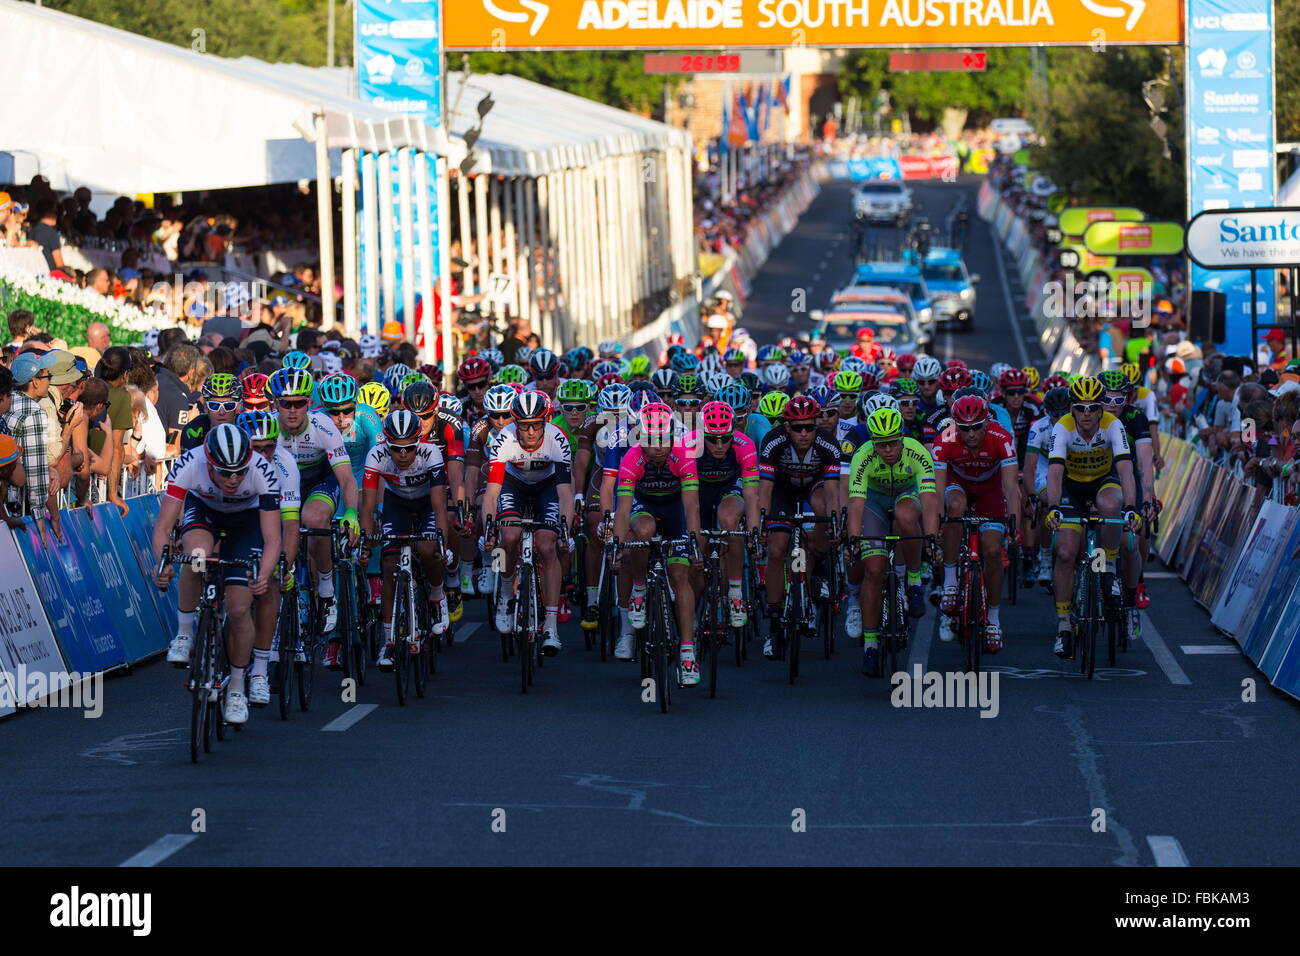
(739, 463)
(640, 476)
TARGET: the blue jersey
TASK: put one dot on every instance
(364, 434)
(757, 427)
(1003, 416)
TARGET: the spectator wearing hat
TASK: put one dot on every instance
(27, 424)
(12, 476)
(1273, 351)
(721, 321)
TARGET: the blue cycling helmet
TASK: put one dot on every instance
(981, 381)
(643, 397)
(797, 358)
(296, 359)
(394, 376)
(735, 395)
(337, 389)
(615, 398)
(820, 394)
(684, 362)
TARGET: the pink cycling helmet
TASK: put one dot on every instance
(717, 418)
(656, 420)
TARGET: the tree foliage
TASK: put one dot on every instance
(998, 91)
(1286, 77)
(616, 78)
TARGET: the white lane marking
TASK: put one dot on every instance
(465, 633)
(1160, 575)
(1160, 651)
(160, 849)
(1209, 649)
(1167, 851)
(1012, 315)
(349, 717)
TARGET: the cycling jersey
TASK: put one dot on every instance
(1089, 459)
(860, 434)
(914, 471)
(562, 423)
(258, 488)
(195, 430)
(842, 429)
(413, 482)
(550, 459)
(976, 465)
(1039, 441)
(756, 428)
(448, 434)
(286, 472)
(740, 462)
(317, 449)
(639, 476)
(1146, 400)
(779, 461)
(1020, 424)
(364, 434)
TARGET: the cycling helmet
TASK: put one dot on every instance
(638, 365)
(684, 362)
(296, 359)
(641, 398)
(615, 397)
(847, 381)
(370, 346)
(473, 369)
(775, 376)
(254, 385)
(601, 369)
(613, 378)
(826, 361)
(664, 380)
(927, 367)
(1132, 371)
(1031, 376)
(885, 424)
(610, 349)
(1114, 381)
(981, 381)
(1057, 402)
(531, 407)
(955, 363)
(672, 352)
(412, 379)
(823, 396)
(714, 382)
(577, 357)
(228, 448)
(543, 362)
(419, 398)
(450, 403)
(260, 425)
(1086, 389)
(338, 390)
(970, 410)
(750, 381)
(905, 386)
(888, 356)
(770, 353)
(711, 363)
(222, 385)
(522, 355)
(656, 420)
(735, 396)
(797, 358)
(511, 374)
(1055, 381)
(394, 375)
(869, 382)
(906, 362)
(735, 355)
(801, 408)
(1013, 377)
(773, 404)
(879, 400)
(498, 399)
(574, 390)
(997, 369)
(953, 379)
(376, 396)
(289, 383)
(401, 426)
(689, 385)
(493, 357)
(328, 363)
(852, 363)
(717, 418)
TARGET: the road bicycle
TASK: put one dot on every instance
(800, 616)
(352, 597)
(529, 631)
(659, 645)
(1092, 610)
(895, 622)
(972, 616)
(713, 617)
(415, 648)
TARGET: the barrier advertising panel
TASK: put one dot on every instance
(27, 644)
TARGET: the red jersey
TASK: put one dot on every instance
(975, 465)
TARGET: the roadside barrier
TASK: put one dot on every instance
(1238, 555)
(84, 605)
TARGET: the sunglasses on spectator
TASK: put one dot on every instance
(970, 428)
(294, 403)
(341, 410)
(1015, 391)
(1088, 407)
(572, 407)
(802, 428)
(223, 406)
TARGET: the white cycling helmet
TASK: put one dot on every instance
(853, 363)
(875, 400)
(499, 398)
(927, 366)
(450, 403)
(331, 363)
(995, 372)
(370, 346)
(775, 376)
(609, 349)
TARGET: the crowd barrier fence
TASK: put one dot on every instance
(1238, 556)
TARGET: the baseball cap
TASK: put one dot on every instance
(1275, 335)
(91, 356)
(394, 331)
(28, 365)
(5, 201)
(8, 450)
(64, 371)
(126, 275)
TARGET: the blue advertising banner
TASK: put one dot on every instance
(1230, 132)
(75, 607)
(138, 525)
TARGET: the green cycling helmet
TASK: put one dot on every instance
(296, 359)
(289, 383)
(338, 389)
(772, 405)
(260, 425)
(689, 384)
(223, 385)
(574, 390)
(1115, 381)
(637, 365)
(847, 380)
(511, 375)
(906, 386)
(885, 424)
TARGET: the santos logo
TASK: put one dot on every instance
(1231, 231)
(1211, 98)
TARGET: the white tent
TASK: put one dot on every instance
(100, 107)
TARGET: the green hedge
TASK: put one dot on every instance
(61, 320)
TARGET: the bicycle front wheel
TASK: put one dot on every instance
(200, 665)
(402, 625)
(286, 641)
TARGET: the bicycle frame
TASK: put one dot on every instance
(797, 612)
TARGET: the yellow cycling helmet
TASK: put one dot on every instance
(1031, 373)
(1132, 371)
(376, 396)
(1086, 389)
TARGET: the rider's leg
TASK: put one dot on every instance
(991, 551)
(316, 515)
(778, 543)
(1067, 551)
(194, 541)
(239, 646)
(729, 512)
(955, 502)
(679, 575)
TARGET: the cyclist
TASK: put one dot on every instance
(222, 487)
(574, 397)
(1034, 473)
(529, 475)
(734, 362)
(474, 375)
(324, 472)
(908, 395)
(927, 371)
(1013, 387)
(1117, 401)
(254, 389)
(659, 493)
(497, 402)
(223, 398)
(975, 463)
(887, 474)
(1145, 399)
(728, 471)
(414, 502)
(544, 372)
(1090, 465)
(374, 397)
(263, 429)
(797, 464)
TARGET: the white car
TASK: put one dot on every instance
(882, 200)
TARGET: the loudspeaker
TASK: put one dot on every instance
(1205, 319)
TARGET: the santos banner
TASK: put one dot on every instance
(731, 24)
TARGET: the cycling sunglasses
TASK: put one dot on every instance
(1114, 399)
(476, 384)
(222, 406)
(294, 403)
(545, 376)
(718, 439)
(971, 428)
(402, 449)
(690, 402)
(908, 402)
(1012, 392)
(1087, 407)
(849, 396)
(500, 416)
(829, 413)
(802, 428)
(229, 473)
(574, 407)
(341, 410)
(927, 381)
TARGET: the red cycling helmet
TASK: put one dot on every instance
(954, 363)
(970, 410)
(613, 378)
(906, 362)
(870, 382)
(801, 408)
(1054, 381)
(433, 372)
(953, 379)
(473, 369)
(1013, 378)
(255, 391)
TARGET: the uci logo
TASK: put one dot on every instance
(1206, 23)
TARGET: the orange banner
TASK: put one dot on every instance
(731, 24)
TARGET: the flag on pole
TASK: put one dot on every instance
(736, 130)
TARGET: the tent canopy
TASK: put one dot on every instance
(122, 113)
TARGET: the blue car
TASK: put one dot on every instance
(952, 288)
(904, 276)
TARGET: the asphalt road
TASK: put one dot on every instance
(1157, 761)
